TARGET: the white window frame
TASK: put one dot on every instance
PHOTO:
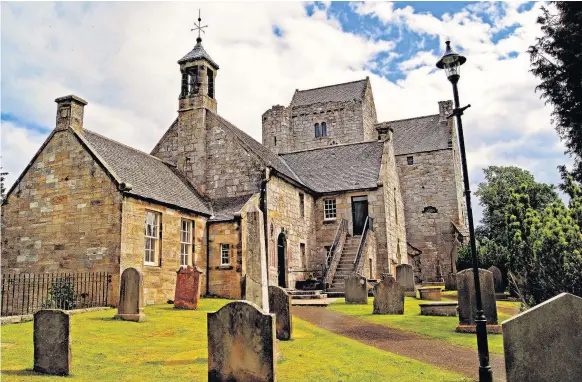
(152, 234)
(329, 209)
(186, 242)
(224, 252)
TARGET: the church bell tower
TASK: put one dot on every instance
(198, 77)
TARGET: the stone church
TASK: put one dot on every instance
(338, 192)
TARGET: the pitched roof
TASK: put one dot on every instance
(419, 134)
(333, 93)
(149, 177)
(198, 53)
(265, 155)
(225, 208)
(338, 168)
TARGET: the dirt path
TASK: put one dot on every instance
(425, 349)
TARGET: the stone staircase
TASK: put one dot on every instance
(345, 266)
(308, 298)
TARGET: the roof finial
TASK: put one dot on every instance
(199, 27)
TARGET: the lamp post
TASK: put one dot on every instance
(451, 62)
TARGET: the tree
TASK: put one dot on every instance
(556, 59)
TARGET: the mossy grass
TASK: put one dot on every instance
(442, 328)
(171, 346)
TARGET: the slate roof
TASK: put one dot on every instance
(332, 93)
(225, 208)
(149, 177)
(198, 53)
(419, 134)
(338, 168)
(266, 156)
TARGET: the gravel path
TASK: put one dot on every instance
(451, 357)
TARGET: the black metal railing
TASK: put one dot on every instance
(28, 293)
(334, 253)
(358, 263)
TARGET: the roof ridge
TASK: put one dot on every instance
(329, 147)
(127, 146)
(408, 119)
(328, 86)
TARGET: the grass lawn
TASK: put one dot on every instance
(442, 328)
(172, 346)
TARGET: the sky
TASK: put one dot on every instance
(122, 58)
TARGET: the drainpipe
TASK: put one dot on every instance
(207, 258)
(263, 208)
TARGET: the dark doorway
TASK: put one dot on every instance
(359, 213)
(281, 268)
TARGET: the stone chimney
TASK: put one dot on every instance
(70, 112)
(384, 132)
(445, 109)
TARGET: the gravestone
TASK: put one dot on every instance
(405, 277)
(52, 342)
(467, 300)
(131, 296)
(356, 289)
(241, 343)
(497, 279)
(280, 306)
(187, 288)
(451, 281)
(256, 281)
(388, 297)
(545, 342)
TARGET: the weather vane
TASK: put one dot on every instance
(199, 27)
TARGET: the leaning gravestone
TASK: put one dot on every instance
(356, 289)
(405, 277)
(52, 342)
(545, 342)
(497, 279)
(280, 306)
(467, 300)
(388, 297)
(131, 296)
(256, 280)
(241, 343)
(187, 293)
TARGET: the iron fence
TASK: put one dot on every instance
(28, 293)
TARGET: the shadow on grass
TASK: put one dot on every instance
(27, 373)
(179, 362)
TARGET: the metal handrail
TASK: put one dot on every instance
(358, 260)
(335, 251)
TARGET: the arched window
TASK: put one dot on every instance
(316, 130)
(323, 129)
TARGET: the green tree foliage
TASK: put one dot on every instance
(529, 232)
(556, 59)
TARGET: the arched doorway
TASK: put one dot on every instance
(281, 268)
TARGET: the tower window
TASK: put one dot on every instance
(410, 160)
(194, 82)
(275, 141)
(323, 129)
(210, 83)
(316, 130)
(301, 204)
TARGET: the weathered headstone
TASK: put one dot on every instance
(405, 277)
(256, 281)
(131, 296)
(187, 288)
(52, 342)
(545, 342)
(467, 297)
(241, 343)
(280, 306)
(388, 297)
(430, 293)
(497, 279)
(451, 281)
(356, 289)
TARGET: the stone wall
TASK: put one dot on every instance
(369, 118)
(225, 280)
(284, 216)
(277, 130)
(64, 215)
(160, 280)
(431, 184)
(325, 229)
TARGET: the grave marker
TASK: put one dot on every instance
(405, 277)
(187, 293)
(280, 306)
(388, 297)
(468, 302)
(52, 342)
(131, 296)
(356, 289)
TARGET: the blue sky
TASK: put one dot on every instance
(121, 57)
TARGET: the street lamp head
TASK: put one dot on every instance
(451, 62)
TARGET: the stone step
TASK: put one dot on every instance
(319, 303)
(335, 294)
(308, 296)
(294, 292)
